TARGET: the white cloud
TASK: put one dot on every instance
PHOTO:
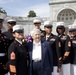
(5, 1)
(42, 10)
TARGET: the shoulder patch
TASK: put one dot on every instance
(12, 56)
(12, 68)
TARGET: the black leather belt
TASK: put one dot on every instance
(36, 60)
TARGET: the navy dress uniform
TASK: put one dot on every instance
(65, 48)
(8, 33)
(56, 48)
(3, 54)
(3, 50)
(72, 29)
(17, 55)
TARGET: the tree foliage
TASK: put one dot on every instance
(2, 11)
(31, 13)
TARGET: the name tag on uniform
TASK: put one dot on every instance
(52, 39)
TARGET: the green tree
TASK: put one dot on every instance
(2, 11)
(31, 14)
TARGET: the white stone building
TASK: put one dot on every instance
(26, 22)
(62, 10)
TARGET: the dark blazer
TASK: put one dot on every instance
(47, 58)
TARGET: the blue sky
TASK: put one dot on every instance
(22, 7)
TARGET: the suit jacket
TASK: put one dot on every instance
(47, 58)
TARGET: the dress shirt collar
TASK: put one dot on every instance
(47, 36)
(38, 44)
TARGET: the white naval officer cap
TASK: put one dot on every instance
(11, 20)
(47, 24)
(18, 28)
(70, 27)
(60, 24)
(36, 21)
(74, 27)
(1, 19)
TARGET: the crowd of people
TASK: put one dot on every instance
(40, 53)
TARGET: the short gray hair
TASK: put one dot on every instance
(35, 30)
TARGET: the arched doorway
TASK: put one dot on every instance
(67, 15)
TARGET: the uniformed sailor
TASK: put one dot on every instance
(8, 33)
(56, 47)
(65, 47)
(17, 53)
(72, 31)
(37, 24)
(3, 50)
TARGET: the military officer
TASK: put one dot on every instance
(71, 31)
(65, 47)
(8, 33)
(17, 53)
(73, 53)
(37, 24)
(56, 47)
(3, 50)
